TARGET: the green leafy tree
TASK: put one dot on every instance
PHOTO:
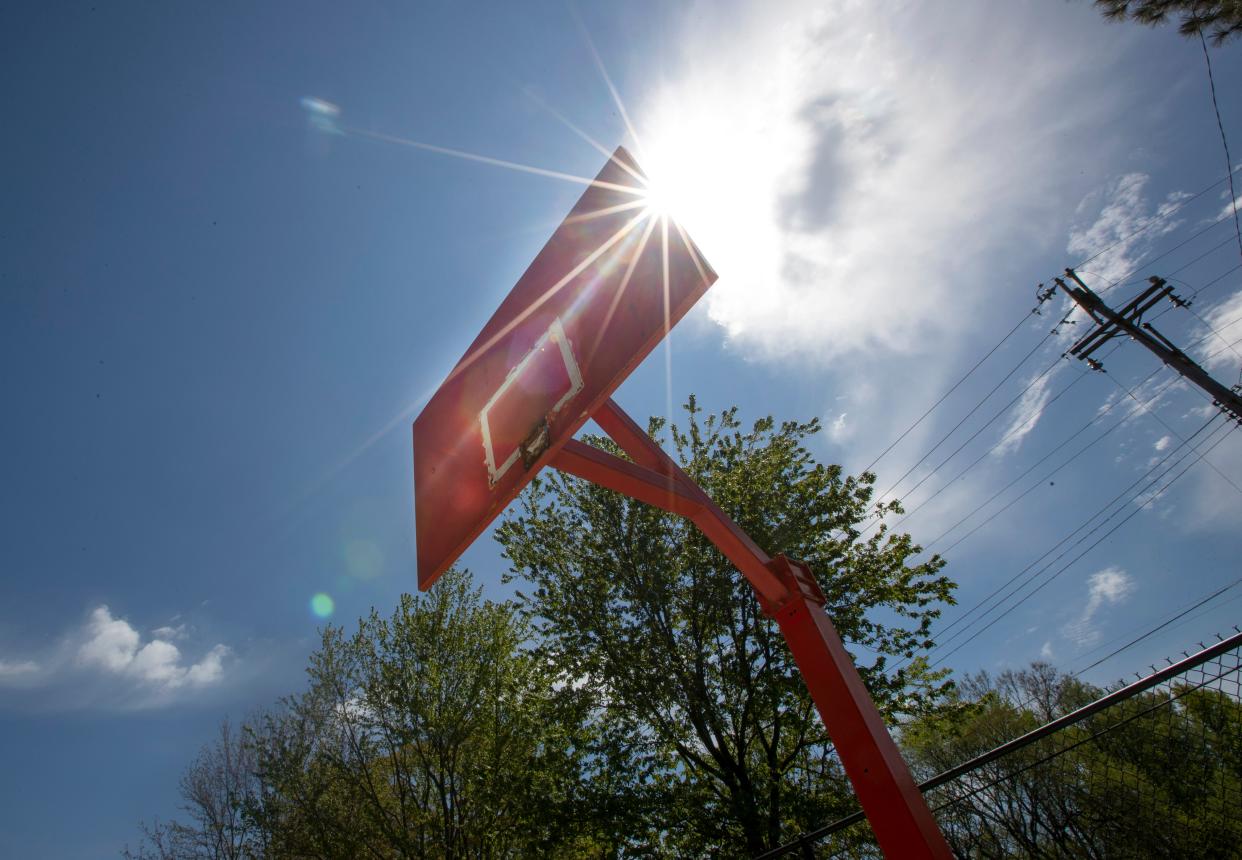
(638, 607)
(1222, 19)
(434, 733)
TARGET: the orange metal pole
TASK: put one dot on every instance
(736, 545)
(788, 592)
(900, 818)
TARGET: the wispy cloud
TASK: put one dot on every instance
(107, 661)
(1107, 587)
(170, 632)
(840, 429)
(838, 186)
(1221, 346)
(1230, 206)
(1026, 414)
(14, 669)
(1124, 226)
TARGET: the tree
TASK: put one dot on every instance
(639, 607)
(434, 733)
(1158, 775)
(1221, 18)
(218, 792)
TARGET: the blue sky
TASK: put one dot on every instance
(218, 319)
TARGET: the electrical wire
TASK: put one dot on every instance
(983, 456)
(1047, 581)
(1040, 481)
(1161, 703)
(1224, 141)
(1211, 330)
(1215, 594)
(1168, 427)
(979, 606)
(1208, 252)
(1140, 407)
(1150, 222)
(1084, 524)
(966, 417)
(999, 413)
(1153, 220)
(976, 434)
(952, 388)
(1148, 260)
(1212, 282)
(939, 537)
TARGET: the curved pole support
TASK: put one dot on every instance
(787, 591)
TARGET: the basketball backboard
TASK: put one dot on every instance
(614, 278)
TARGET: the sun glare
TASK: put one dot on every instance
(657, 203)
(719, 180)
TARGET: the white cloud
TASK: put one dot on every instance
(169, 632)
(12, 669)
(113, 645)
(1108, 587)
(1122, 230)
(1163, 442)
(1046, 651)
(106, 662)
(210, 669)
(839, 430)
(1230, 207)
(1026, 414)
(1220, 345)
(838, 162)
(110, 644)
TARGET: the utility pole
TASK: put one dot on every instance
(1128, 320)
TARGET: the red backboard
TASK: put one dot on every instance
(605, 289)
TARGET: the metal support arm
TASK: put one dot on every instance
(788, 592)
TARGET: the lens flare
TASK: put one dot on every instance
(322, 605)
(322, 114)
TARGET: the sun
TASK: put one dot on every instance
(660, 199)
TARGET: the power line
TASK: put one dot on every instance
(1141, 407)
(1224, 141)
(1029, 701)
(1150, 222)
(1212, 282)
(973, 410)
(1159, 703)
(952, 388)
(1166, 426)
(998, 414)
(1148, 260)
(1039, 482)
(1208, 252)
(1151, 497)
(1066, 441)
(975, 435)
(1160, 626)
(913, 510)
(980, 604)
(1084, 524)
(1211, 330)
(1153, 220)
(1001, 441)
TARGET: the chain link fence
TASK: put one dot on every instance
(1152, 769)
